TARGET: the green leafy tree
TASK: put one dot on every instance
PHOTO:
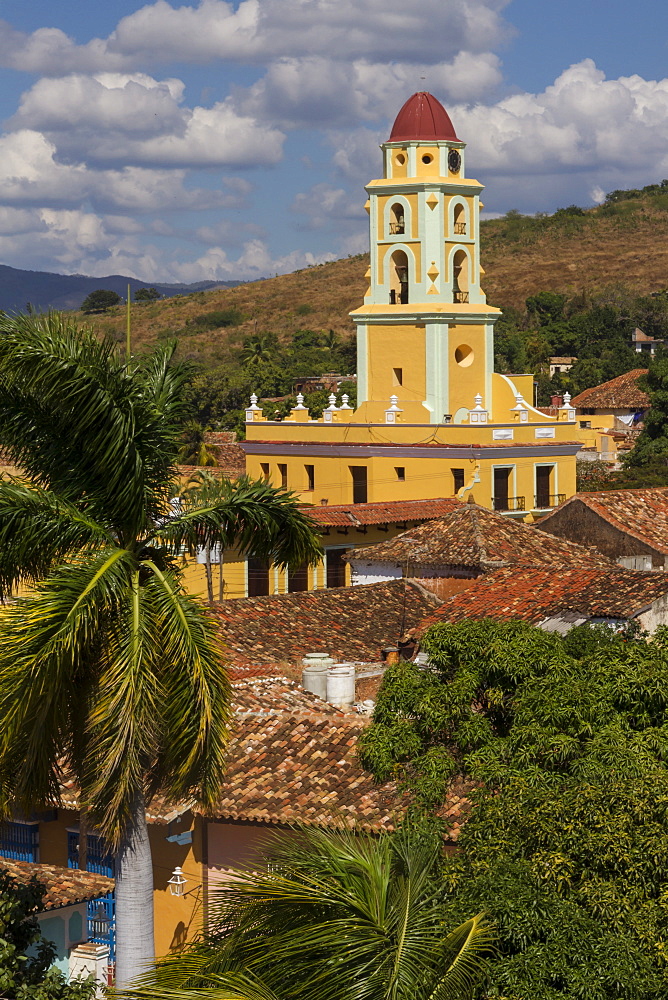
(100, 300)
(26, 957)
(332, 916)
(564, 741)
(147, 294)
(651, 448)
(108, 669)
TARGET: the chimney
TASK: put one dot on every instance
(556, 400)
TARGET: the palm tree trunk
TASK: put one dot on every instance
(208, 570)
(135, 948)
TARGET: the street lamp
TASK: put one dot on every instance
(176, 882)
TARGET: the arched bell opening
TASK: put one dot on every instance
(460, 277)
(398, 278)
(397, 220)
(459, 222)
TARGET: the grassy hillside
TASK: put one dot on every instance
(621, 243)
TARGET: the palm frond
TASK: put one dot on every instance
(80, 423)
(349, 917)
(470, 945)
(195, 711)
(50, 645)
(37, 529)
(231, 986)
(257, 518)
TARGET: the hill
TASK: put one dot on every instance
(623, 243)
(46, 290)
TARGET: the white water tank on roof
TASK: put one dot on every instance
(314, 673)
(341, 685)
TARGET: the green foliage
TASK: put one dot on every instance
(651, 448)
(100, 300)
(194, 450)
(596, 332)
(333, 916)
(147, 295)
(217, 319)
(218, 396)
(565, 740)
(25, 956)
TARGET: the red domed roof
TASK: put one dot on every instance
(422, 117)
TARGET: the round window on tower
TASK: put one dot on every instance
(427, 158)
(464, 356)
(400, 159)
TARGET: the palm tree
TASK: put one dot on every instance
(109, 671)
(256, 350)
(331, 916)
(194, 449)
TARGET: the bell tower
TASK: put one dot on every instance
(425, 330)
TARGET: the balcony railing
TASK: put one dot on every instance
(460, 229)
(509, 503)
(461, 296)
(543, 501)
(396, 228)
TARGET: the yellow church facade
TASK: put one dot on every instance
(433, 419)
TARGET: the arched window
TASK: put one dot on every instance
(398, 278)
(460, 220)
(460, 276)
(397, 223)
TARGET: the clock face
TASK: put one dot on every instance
(454, 161)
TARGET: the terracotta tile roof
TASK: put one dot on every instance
(620, 392)
(358, 514)
(263, 697)
(294, 770)
(477, 538)
(350, 623)
(642, 514)
(293, 759)
(535, 594)
(64, 886)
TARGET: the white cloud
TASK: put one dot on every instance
(256, 31)
(31, 174)
(318, 91)
(379, 30)
(581, 122)
(255, 261)
(325, 205)
(135, 119)
(131, 103)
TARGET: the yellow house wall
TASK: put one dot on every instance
(177, 919)
(396, 347)
(469, 377)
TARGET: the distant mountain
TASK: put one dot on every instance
(45, 290)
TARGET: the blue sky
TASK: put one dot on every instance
(221, 139)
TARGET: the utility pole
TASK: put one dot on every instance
(128, 344)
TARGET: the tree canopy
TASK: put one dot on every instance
(100, 300)
(147, 294)
(564, 742)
